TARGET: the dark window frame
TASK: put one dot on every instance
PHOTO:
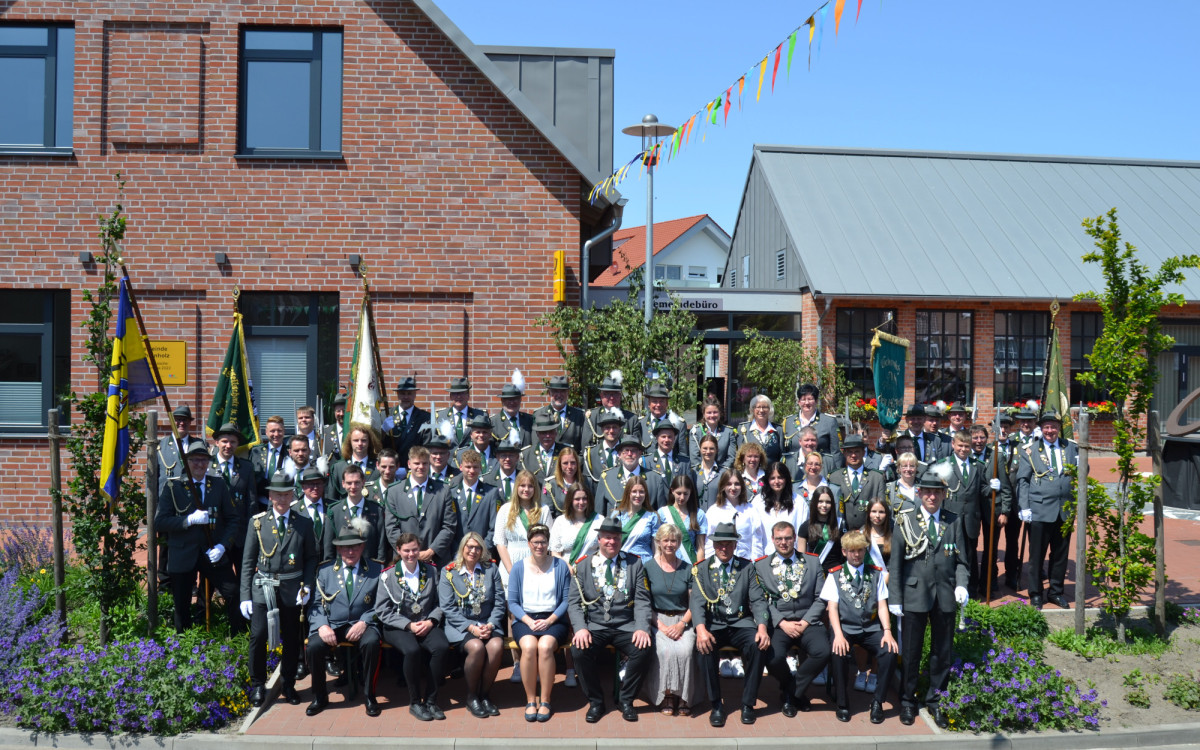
(55, 354)
(925, 363)
(852, 343)
(315, 57)
(53, 53)
(1086, 327)
(1021, 340)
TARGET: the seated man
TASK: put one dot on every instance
(344, 610)
(856, 595)
(728, 609)
(610, 604)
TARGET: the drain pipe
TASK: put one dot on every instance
(618, 210)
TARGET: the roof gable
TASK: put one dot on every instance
(629, 246)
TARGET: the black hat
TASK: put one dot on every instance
(657, 390)
(629, 441)
(311, 474)
(407, 383)
(182, 412)
(1025, 413)
(931, 481)
(459, 385)
(339, 400)
(853, 441)
(280, 483)
(229, 428)
(610, 525)
(958, 409)
(916, 410)
(436, 441)
(349, 536)
(666, 424)
(610, 416)
(510, 391)
(197, 448)
(479, 422)
(612, 382)
(933, 411)
(558, 383)
(545, 422)
(1005, 418)
(1049, 415)
(506, 446)
(725, 532)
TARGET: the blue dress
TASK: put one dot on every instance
(640, 540)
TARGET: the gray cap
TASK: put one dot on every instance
(459, 385)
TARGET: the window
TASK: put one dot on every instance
(37, 86)
(855, 328)
(35, 356)
(670, 273)
(699, 273)
(781, 265)
(943, 355)
(1021, 341)
(291, 341)
(1086, 327)
(745, 271)
(291, 92)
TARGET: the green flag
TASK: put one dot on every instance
(231, 400)
(888, 354)
(1058, 388)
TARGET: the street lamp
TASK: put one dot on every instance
(650, 131)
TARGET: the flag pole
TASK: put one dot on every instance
(362, 269)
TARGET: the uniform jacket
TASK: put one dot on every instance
(706, 489)
(611, 488)
(455, 595)
(489, 458)
(826, 426)
(333, 485)
(804, 600)
(963, 498)
(293, 558)
(394, 602)
(726, 445)
(852, 506)
(772, 444)
(747, 607)
(646, 425)
(572, 432)
(923, 576)
(531, 460)
(436, 525)
(321, 530)
(1005, 497)
(337, 517)
(475, 511)
(332, 605)
(1038, 489)
(669, 468)
(594, 462)
(187, 543)
(403, 437)
(593, 432)
(169, 463)
(260, 460)
(243, 486)
(630, 607)
(502, 425)
(448, 414)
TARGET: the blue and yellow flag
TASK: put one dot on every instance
(129, 382)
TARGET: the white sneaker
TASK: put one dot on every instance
(739, 671)
(793, 664)
(571, 681)
(860, 682)
(725, 668)
(819, 679)
(872, 683)
(516, 675)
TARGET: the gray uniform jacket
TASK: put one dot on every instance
(436, 525)
(611, 488)
(448, 414)
(489, 457)
(963, 497)
(629, 609)
(826, 426)
(853, 505)
(170, 464)
(594, 460)
(337, 517)
(1038, 488)
(743, 606)
(475, 511)
(593, 433)
(333, 485)
(403, 437)
(923, 576)
(293, 558)
(458, 600)
(668, 467)
(320, 525)
(260, 460)
(803, 600)
(772, 442)
(394, 604)
(502, 425)
(645, 433)
(531, 460)
(332, 605)
(570, 433)
(706, 489)
(726, 445)
(187, 543)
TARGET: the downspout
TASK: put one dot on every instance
(820, 328)
(618, 210)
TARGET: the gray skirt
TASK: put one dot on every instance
(674, 667)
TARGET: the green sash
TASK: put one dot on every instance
(524, 521)
(628, 525)
(581, 538)
(688, 544)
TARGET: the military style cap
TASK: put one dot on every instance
(348, 537)
(611, 383)
(629, 441)
(657, 390)
(558, 383)
(853, 441)
(611, 416)
(1050, 415)
(479, 422)
(1005, 418)
(931, 481)
(229, 428)
(958, 409)
(280, 483)
(407, 383)
(726, 532)
(459, 385)
(507, 447)
(311, 474)
(510, 391)
(610, 525)
(666, 424)
(196, 448)
(182, 412)
(339, 400)
(545, 423)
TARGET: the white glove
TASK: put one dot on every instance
(896, 610)
(389, 423)
(994, 485)
(197, 518)
(960, 595)
(1026, 515)
(216, 553)
(302, 596)
(887, 460)
(247, 609)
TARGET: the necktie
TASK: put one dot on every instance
(318, 524)
(725, 575)
(420, 498)
(1054, 466)
(933, 532)
(854, 483)
(225, 471)
(966, 469)
(273, 464)
(280, 526)
(350, 583)
(666, 462)
(507, 489)
(788, 561)
(562, 419)
(609, 460)
(458, 425)
(403, 421)
(608, 574)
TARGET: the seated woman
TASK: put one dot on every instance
(411, 619)
(671, 681)
(686, 516)
(822, 532)
(567, 471)
(537, 597)
(472, 599)
(638, 520)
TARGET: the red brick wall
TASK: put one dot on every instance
(452, 198)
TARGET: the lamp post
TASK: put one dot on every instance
(650, 130)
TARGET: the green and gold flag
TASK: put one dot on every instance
(232, 398)
(1058, 388)
(888, 354)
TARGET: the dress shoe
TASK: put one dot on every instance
(748, 715)
(876, 712)
(940, 718)
(1058, 601)
(258, 695)
(290, 695)
(803, 703)
(716, 717)
(489, 706)
(332, 667)
(319, 702)
(843, 714)
(1036, 601)
(595, 712)
(432, 709)
(789, 709)
(372, 705)
(628, 713)
(908, 715)
(476, 708)
(301, 670)
(419, 712)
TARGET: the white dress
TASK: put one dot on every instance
(744, 519)
(564, 531)
(514, 540)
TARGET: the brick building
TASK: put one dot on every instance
(267, 148)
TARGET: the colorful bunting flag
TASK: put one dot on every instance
(859, 12)
(837, 15)
(728, 96)
(791, 49)
(775, 70)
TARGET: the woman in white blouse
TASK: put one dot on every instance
(513, 521)
(775, 504)
(733, 506)
(903, 490)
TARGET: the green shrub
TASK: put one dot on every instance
(1016, 624)
(1097, 642)
(1183, 691)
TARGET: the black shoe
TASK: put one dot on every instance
(940, 718)
(418, 710)
(373, 708)
(332, 667)
(789, 709)
(258, 695)
(843, 714)
(432, 709)
(301, 670)
(290, 695)
(716, 717)
(489, 706)
(1058, 601)
(803, 703)
(1036, 601)
(594, 713)
(748, 715)
(908, 715)
(319, 702)
(476, 708)
(1012, 583)
(628, 713)
(876, 712)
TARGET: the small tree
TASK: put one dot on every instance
(105, 536)
(596, 341)
(1124, 363)
(777, 366)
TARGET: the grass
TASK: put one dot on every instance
(1097, 642)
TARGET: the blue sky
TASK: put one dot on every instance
(1094, 78)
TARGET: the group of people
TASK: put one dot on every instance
(694, 552)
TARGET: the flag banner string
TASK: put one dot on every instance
(721, 105)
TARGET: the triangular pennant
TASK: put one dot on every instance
(762, 69)
(791, 49)
(728, 97)
(741, 88)
(812, 27)
(775, 70)
(859, 12)
(822, 14)
(716, 107)
(691, 123)
(838, 7)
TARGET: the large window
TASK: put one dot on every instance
(291, 92)
(1021, 341)
(35, 356)
(37, 87)
(855, 328)
(1086, 327)
(944, 355)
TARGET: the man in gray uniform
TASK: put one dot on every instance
(610, 399)
(611, 487)
(459, 413)
(510, 418)
(570, 418)
(602, 453)
(1043, 489)
(402, 428)
(419, 505)
(857, 485)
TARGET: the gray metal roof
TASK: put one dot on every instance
(941, 224)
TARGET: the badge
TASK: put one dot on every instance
(416, 608)
(367, 599)
(291, 558)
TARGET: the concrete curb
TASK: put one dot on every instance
(1163, 735)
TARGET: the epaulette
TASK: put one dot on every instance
(835, 568)
(588, 414)
(325, 564)
(872, 567)
(393, 565)
(450, 566)
(764, 557)
(581, 558)
(377, 560)
(811, 554)
(260, 515)
(909, 509)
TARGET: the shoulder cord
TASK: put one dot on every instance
(696, 574)
(262, 548)
(575, 577)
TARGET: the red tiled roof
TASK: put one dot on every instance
(629, 247)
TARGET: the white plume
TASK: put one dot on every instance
(518, 380)
(677, 420)
(360, 526)
(1032, 405)
(617, 377)
(323, 465)
(942, 471)
(615, 412)
(941, 405)
(446, 430)
(512, 439)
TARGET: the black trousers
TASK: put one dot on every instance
(815, 650)
(1045, 536)
(872, 642)
(972, 544)
(289, 637)
(587, 666)
(1012, 548)
(424, 660)
(368, 657)
(941, 653)
(752, 661)
(988, 566)
(222, 580)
